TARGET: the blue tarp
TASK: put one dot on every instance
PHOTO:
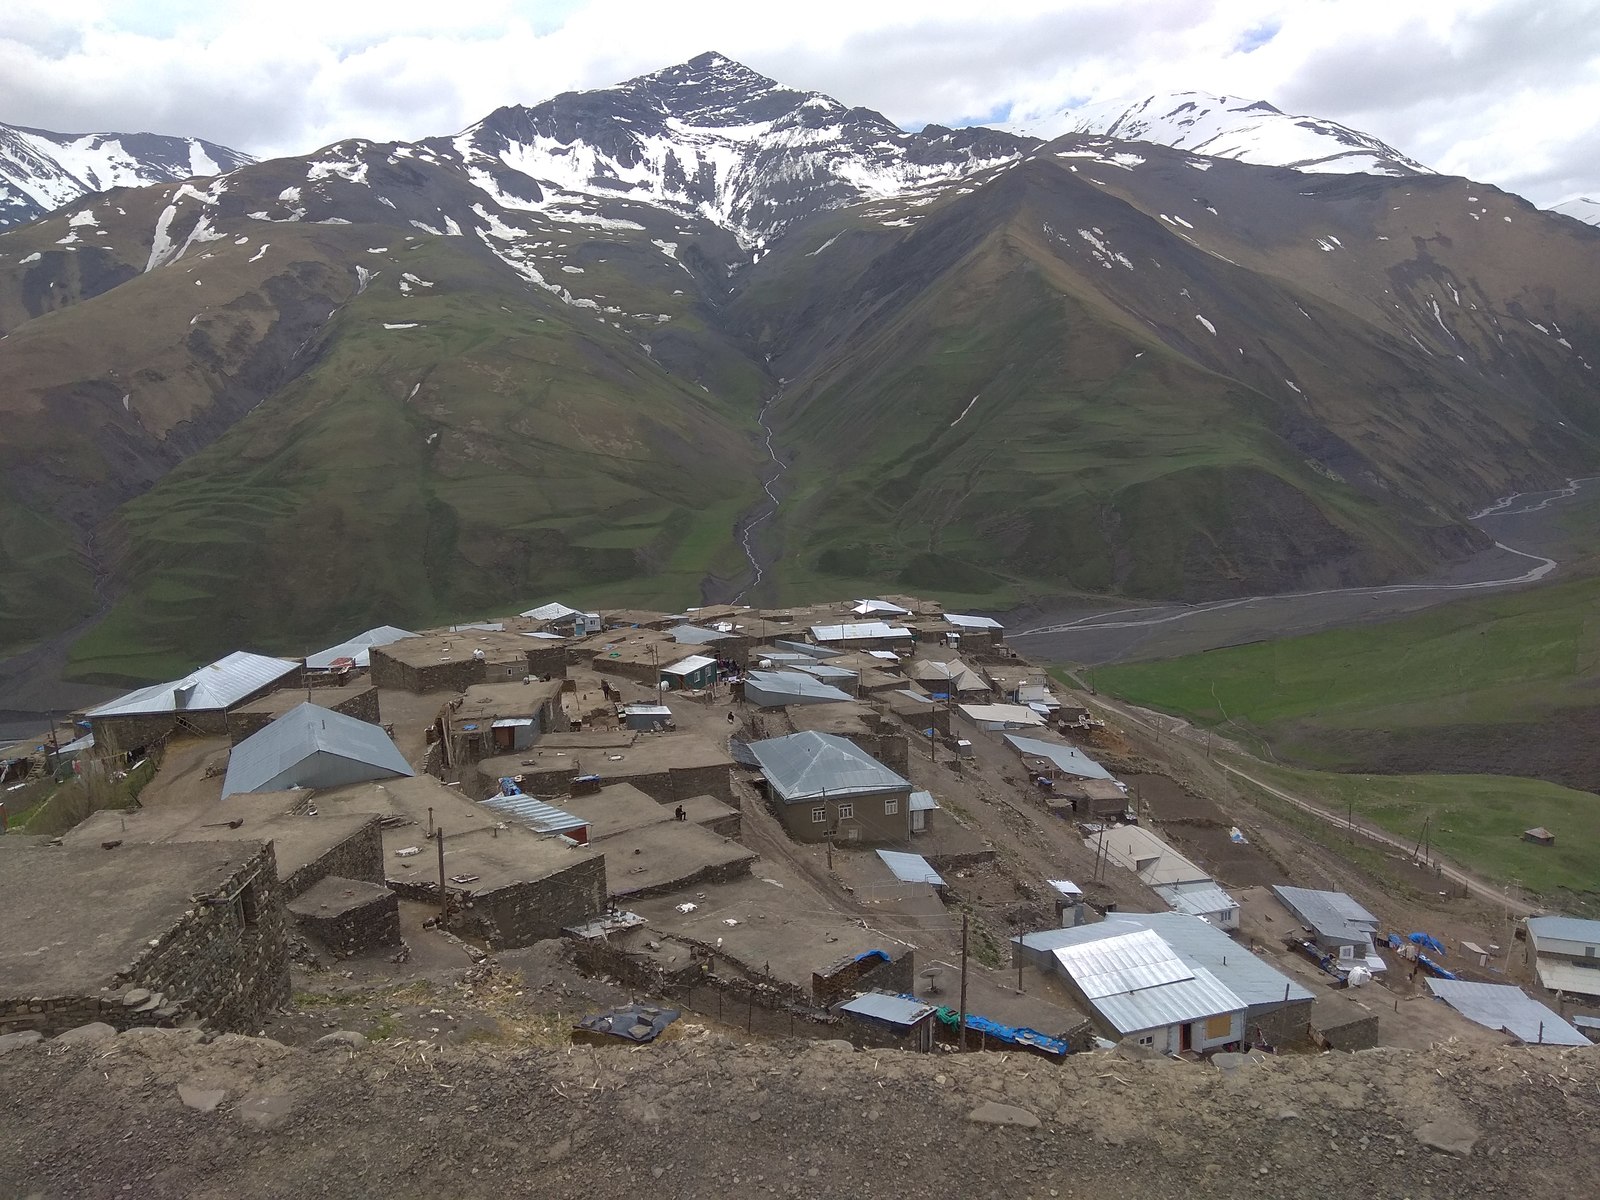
(1428, 940)
(508, 786)
(1016, 1035)
(879, 954)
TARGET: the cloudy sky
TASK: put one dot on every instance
(1503, 91)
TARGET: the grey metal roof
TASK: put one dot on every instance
(554, 611)
(811, 765)
(688, 666)
(857, 631)
(1199, 901)
(358, 648)
(218, 685)
(824, 671)
(887, 608)
(881, 1006)
(535, 814)
(923, 802)
(1136, 981)
(1201, 944)
(808, 649)
(955, 671)
(313, 747)
(1333, 916)
(1066, 758)
(773, 688)
(1502, 1006)
(910, 868)
(1584, 1022)
(1565, 929)
(693, 635)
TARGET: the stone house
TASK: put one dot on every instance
(826, 787)
(198, 703)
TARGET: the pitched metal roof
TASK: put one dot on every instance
(881, 1006)
(218, 685)
(1066, 758)
(867, 608)
(693, 635)
(1564, 975)
(357, 648)
(1136, 849)
(954, 672)
(1136, 981)
(1333, 916)
(808, 649)
(811, 765)
(1201, 944)
(1001, 714)
(965, 621)
(923, 802)
(910, 868)
(824, 671)
(554, 611)
(859, 631)
(1564, 929)
(1200, 901)
(1502, 1006)
(688, 666)
(768, 688)
(311, 746)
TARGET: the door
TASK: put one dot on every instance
(1185, 1037)
(919, 821)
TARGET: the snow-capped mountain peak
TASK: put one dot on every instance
(1251, 131)
(41, 171)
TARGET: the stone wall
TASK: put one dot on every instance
(118, 735)
(363, 705)
(456, 676)
(849, 976)
(349, 916)
(523, 913)
(1287, 1025)
(725, 872)
(359, 856)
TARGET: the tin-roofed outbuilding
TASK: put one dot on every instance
(828, 787)
(357, 649)
(312, 747)
(200, 701)
(1505, 1007)
(1565, 954)
(779, 689)
(911, 868)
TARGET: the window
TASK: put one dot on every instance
(891, 806)
(818, 816)
(247, 906)
(1148, 1039)
(846, 811)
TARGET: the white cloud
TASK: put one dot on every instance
(1502, 90)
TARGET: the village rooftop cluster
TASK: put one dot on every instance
(871, 820)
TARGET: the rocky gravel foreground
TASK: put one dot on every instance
(158, 1113)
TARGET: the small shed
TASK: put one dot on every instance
(649, 718)
(907, 1022)
(1539, 836)
(696, 671)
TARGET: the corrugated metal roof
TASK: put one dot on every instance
(809, 765)
(1563, 975)
(312, 746)
(218, 685)
(910, 868)
(859, 631)
(770, 688)
(647, 710)
(693, 635)
(1001, 714)
(1565, 929)
(808, 649)
(357, 648)
(1502, 1006)
(824, 671)
(881, 1006)
(1334, 916)
(1136, 849)
(955, 672)
(554, 611)
(966, 621)
(687, 666)
(923, 802)
(1584, 1022)
(867, 608)
(1202, 901)
(1137, 981)
(1066, 758)
(1201, 944)
(1065, 886)
(535, 814)
(511, 722)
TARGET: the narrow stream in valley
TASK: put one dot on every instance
(769, 484)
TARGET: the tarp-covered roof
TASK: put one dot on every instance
(313, 747)
(218, 685)
(357, 648)
(811, 765)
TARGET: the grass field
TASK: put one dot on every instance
(1475, 821)
(1509, 659)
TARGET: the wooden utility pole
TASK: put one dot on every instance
(1019, 952)
(444, 896)
(965, 918)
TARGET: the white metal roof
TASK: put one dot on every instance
(647, 710)
(357, 648)
(1136, 849)
(868, 608)
(964, 621)
(554, 611)
(1066, 758)
(693, 635)
(1065, 886)
(312, 746)
(511, 722)
(689, 666)
(910, 868)
(1502, 1006)
(1137, 981)
(1201, 944)
(1001, 714)
(1333, 916)
(811, 765)
(789, 686)
(859, 631)
(1563, 975)
(923, 802)
(218, 685)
